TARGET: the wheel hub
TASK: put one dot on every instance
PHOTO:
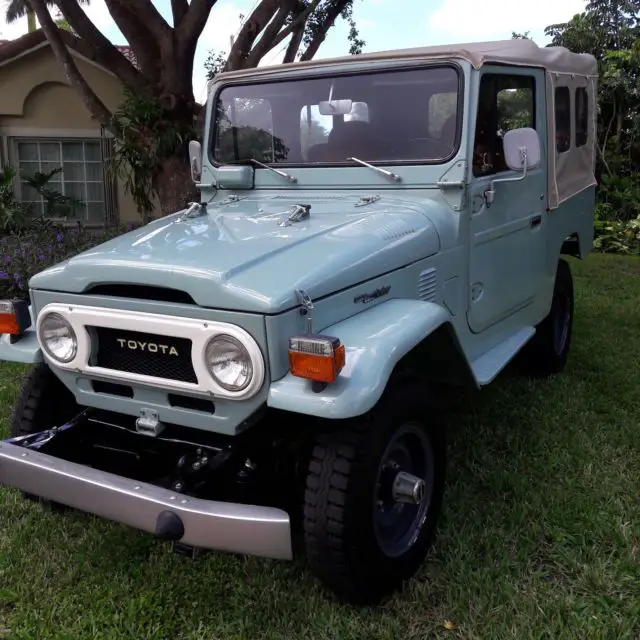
(407, 488)
(403, 490)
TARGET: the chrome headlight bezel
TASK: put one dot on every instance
(246, 358)
(44, 342)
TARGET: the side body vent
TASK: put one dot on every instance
(427, 285)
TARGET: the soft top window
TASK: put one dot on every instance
(387, 116)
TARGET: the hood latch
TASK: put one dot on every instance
(297, 213)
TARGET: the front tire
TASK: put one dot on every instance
(373, 497)
(43, 402)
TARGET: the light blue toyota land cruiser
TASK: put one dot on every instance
(265, 361)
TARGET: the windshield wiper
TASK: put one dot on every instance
(388, 174)
(289, 177)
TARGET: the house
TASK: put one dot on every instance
(44, 124)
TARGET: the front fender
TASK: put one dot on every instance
(375, 341)
(26, 350)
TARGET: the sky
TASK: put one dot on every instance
(380, 22)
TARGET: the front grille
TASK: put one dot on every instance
(144, 353)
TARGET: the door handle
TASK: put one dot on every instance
(535, 221)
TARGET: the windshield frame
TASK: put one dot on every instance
(389, 67)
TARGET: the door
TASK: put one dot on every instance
(506, 239)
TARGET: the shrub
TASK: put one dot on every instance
(43, 245)
(617, 236)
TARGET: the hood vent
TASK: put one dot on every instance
(142, 292)
(427, 285)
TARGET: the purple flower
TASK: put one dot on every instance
(7, 259)
(59, 238)
(50, 248)
(4, 275)
(40, 257)
(20, 285)
(16, 277)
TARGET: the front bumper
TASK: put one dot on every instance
(223, 526)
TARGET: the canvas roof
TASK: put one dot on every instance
(519, 52)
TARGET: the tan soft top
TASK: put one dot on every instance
(569, 172)
(517, 52)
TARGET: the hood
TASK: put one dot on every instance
(237, 256)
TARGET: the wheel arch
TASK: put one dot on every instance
(396, 336)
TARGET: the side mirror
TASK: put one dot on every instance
(521, 153)
(195, 160)
(521, 149)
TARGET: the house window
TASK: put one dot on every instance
(79, 178)
(563, 119)
(582, 116)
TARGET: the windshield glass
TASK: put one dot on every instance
(386, 116)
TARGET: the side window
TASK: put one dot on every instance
(505, 102)
(563, 119)
(582, 116)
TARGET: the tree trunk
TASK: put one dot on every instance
(31, 21)
(174, 186)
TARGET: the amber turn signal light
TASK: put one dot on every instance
(316, 357)
(14, 317)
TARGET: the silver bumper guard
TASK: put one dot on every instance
(223, 526)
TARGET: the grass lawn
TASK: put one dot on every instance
(539, 537)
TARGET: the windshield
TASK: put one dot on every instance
(386, 116)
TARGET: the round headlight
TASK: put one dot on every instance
(58, 338)
(229, 363)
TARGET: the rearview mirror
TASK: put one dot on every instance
(195, 160)
(335, 107)
(520, 146)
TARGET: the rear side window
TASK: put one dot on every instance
(582, 117)
(563, 119)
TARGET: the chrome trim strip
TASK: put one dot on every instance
(223, 526)
(198, 331)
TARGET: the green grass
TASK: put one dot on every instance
(538, 538)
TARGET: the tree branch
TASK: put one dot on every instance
(252, 27)
(96, 107)
(265, 44)
(153, 20)
(139, 38)
(297, 24)
(104, 51)
(332, 14)
(294, 45)
(192, 24)
(179, 9)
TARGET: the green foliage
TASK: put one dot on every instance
(56, 204)
(13, 214)
(42, 245)
(617, 236)
(146, 134)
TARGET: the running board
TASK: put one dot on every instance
(490, 364)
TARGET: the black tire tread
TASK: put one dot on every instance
(43, 402)
(340, 454)
(541, 359)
